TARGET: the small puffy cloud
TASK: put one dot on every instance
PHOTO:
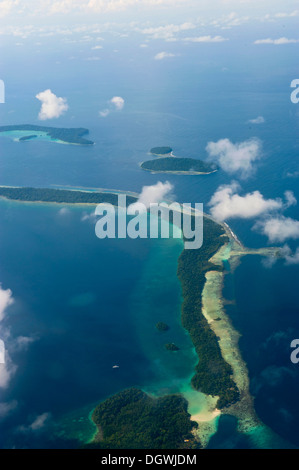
(22, 342)
(258, 120)
(150, 195)
(52, 106)
(64, 211)
(6, 6)
(276, 42)
(235, 158)
(104, 113)
(226, 203)
(279, 229)
(163, 55)
(292, 174)
(95, 48)
(290, 199)
(118, 102)
(206, 39)
(166, 32)
(89, 217)
(289, 256)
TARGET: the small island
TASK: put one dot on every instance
(132, 419)
(60, 196)
(161, 150)
(171, 347)
(54, 134)
(179, 166)
(161, 326)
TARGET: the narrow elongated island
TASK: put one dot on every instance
(25, 132)
(178, 165)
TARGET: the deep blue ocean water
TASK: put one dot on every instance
(79, 297)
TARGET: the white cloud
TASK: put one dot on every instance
(287, 15)
(104, 113)
(166, 32)
(6, 6)
(64, 211)
(234, 158)
(22, 342)
(226, 203)
(52, 106)
(95, 48)
(150, 195)
(290, 199)
(279, 229)
(206, 39)
(118, 102)
(290, 258)
(276, 42)
(258, 120)
(163, 55)
(7, 369)
(89, 217)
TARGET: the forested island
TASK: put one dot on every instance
(69, 136)
(60, 196)
(178, 165)
(213, 375)
(161, 150)
(132, 419)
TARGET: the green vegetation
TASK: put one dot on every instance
(213, 373)
(70, 136)
(133, 420)
(162, 326)
(171, 347)
(60, 196)
(161, 150)
(178, 165)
